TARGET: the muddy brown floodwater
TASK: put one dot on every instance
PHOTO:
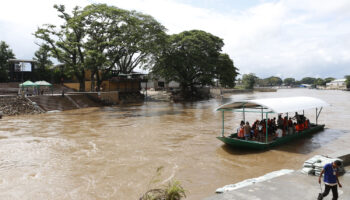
(113, 152)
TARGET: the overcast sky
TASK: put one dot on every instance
(285, 38)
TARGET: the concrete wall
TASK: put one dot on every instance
(105, 97)
(154, 84)
(105, 86)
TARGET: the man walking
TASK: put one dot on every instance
(330, 179)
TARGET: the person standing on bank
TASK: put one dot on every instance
(330, 179)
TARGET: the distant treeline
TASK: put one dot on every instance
(248, 81)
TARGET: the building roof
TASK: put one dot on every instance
(338, 80)
(21, 60)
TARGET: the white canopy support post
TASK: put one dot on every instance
(243, 114)
(223, 123)
(318, 114)
(267, 127)
(287, 125)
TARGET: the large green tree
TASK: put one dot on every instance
(5, 54)
(249, 80)
(101, 38)
(308, 80)
(119, 39)
(190, 58)
(67, 41)
(226, 71)
(320, 82)
(43, 63)
(347, 82)
(329, 79)
(274, 81)
(289, 81)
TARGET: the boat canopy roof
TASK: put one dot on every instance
(277, 105)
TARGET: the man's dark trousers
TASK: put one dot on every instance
(334, 191)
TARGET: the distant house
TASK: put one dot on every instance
(126, 83)
(338, 84)
(21, 70)
(159, 83)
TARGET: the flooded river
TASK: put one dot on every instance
(113, 152)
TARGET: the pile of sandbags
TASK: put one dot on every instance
(314, 165)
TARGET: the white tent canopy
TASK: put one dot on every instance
(43, 83)
(277, 105)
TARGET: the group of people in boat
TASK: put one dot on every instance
(275, 128)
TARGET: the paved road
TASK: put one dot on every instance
(288, 187)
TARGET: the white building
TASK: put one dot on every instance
(337, 84)
(158, 83)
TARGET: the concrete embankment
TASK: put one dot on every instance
(222, 91)
(290, 186)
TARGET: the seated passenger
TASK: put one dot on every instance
(279, 132)
(247, 130)
(240, 133)
(285, 124)
(260, 131)
(290, 126)
(306, 124)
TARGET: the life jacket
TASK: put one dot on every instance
(241, 132)
(298, 127)
(306, 124)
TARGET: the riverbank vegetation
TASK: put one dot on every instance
(102, 38)
(171, 191)
(5, 54)
(249, 81)
(194, 59)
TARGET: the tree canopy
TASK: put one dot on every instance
(270, 81)
(347, 82)
(43, 63)
(308, 80)
(5, 54)
(320, 82)
(226, 71)
(193, 58)
(102, 38)
(329, 79)
(249, 80)
(289, 81)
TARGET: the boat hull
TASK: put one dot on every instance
(249, 144)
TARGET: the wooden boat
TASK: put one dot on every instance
(269, 106)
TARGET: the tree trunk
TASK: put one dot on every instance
(92, 78)
(81, 80)
(81, 85)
